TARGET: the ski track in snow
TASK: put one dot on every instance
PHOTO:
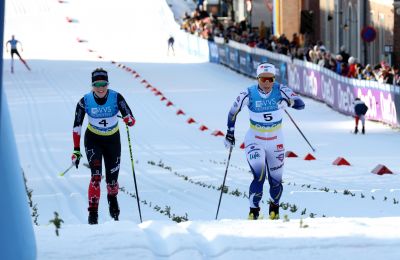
(42, 103)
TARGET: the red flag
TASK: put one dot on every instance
(191, 120)
(203, 128)
(180, 112)
(218, 133)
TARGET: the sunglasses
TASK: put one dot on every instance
(100, 84)
(264, 79)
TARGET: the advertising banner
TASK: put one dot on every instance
(223, 53)
(214, 56)
(245, 62)
(314, 81)
(397, 103)
(339, 92)
(233, 59)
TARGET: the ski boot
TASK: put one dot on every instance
(356, 130)
(113, 206)
(363, 130)
(273, 211)
(93, 217)
(254, 214)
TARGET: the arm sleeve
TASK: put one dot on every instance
(292, 98)
(123, 106)
(241, 100)
(79, 116)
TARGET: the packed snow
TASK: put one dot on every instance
(343, 212)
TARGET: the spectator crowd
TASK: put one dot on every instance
(208, 26)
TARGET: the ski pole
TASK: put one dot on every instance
(64, 172)
(133, 172)
(299, 130)
(223, 183)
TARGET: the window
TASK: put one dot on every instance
(381, 36)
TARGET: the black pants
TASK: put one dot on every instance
(14, 51)
(99, 147)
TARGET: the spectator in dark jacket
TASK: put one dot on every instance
(360, 109)
(344, 53)
(202, 12)
(396, 77)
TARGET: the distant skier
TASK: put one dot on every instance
(14, 50)
(360, 109)
(264, 142)
(102, 140)
(171, 42)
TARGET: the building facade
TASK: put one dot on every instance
(368, 29)
(365, 28)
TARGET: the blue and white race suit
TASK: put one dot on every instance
(264, 144)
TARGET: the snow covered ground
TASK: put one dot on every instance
(342, 212)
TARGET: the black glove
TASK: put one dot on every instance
(284, 103)
(76, 157)
(229, 139)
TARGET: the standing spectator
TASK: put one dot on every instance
(385, 75)
(243, 26)
(321, 57)
(344, 54)
(272, 43)
(102, 140)
(262, 43)
(14, 50)
(313, 54)
(396, 72)
(282, 48)
(352, 73)
(368, 73)
(325, 59)
(284, 41)
(339, 61)
(359, 69)
(300, 54)
(295, 43)
(331, 62)
(344, 68)
(306, 53)
(202, 13)
(321, 46)
(360, 109)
